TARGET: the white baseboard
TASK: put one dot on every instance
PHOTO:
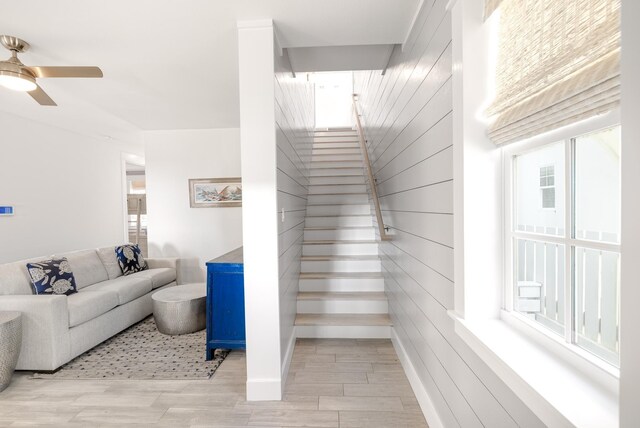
(287, 357)
(264, 390)
(426, 405)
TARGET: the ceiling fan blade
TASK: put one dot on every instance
(41, 97)
(45, 72)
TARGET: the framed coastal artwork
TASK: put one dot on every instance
(215, 192)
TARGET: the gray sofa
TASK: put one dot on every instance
(58, 328)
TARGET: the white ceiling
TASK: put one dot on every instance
(171, 64)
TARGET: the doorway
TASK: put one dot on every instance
(137, 206)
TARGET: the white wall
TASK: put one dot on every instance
(196, 235)
(630, 288)
(409, 122)
(66, 187)
(294, 105)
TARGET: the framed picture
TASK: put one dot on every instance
(215, 192)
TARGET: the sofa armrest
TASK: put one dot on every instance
(45, 330)
(165, 262)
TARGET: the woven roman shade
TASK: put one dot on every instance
(490, 6)
(558, 63)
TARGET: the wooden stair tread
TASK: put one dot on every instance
(337, 241)
(334, 167)
(338, 275)
(335, 184)
(336, 227)
(338, 194)
(338, 258)
(339, 215)
(344, 295)
(344, 319)
(334, 204)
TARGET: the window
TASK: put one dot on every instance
(547, 186)
(565, 262)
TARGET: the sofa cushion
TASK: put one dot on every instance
(15, 279)
(130, 259)
(89, 304)
(53, 276)
(158, 276)
(87, 267)
(128, 288)
(110, 261)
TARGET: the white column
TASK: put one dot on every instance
(630, 263)
(259, 209)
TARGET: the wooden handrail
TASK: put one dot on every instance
(372, 181)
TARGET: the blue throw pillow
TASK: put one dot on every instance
(52, 276)
(130, 259)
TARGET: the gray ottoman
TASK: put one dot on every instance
(181, 309)
(10, 343)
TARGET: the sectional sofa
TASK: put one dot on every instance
(58, 328)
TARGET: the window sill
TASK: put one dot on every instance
(556, 391)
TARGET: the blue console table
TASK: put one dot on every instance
(225, 303)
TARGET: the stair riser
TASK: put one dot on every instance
(341, 266)
(343, 307)
(344, 221)
(335, 150)
(330, 172)
(340, 234)
(336, 145)
(340, 188)
(336, 137)
(343, 332)
(351, 179)
(339, 209)
(345, 130)
(340, 250)
(336, 157)
(331, 285)
(337, 164)
(360, 198)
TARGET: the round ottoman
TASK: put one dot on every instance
(181, 309)
(11, 340)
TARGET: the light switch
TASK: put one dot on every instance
(6, 210)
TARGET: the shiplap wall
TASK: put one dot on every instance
(408, 124)
(294, 111)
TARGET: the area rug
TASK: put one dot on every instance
(142, 352)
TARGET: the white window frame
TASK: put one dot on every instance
(526, 325)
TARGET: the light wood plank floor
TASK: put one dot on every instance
(332, 383)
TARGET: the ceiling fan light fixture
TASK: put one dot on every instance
(21, 82)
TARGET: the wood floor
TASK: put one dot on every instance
(332, 383)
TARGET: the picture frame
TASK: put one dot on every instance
(215, 192)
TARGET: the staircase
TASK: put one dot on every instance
(341, 286)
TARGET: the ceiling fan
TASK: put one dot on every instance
(19, 77)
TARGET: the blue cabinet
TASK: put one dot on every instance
(225, 303)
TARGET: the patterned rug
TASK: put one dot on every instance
(142, 352)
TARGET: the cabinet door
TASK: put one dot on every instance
(228, 306)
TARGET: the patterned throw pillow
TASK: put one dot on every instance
(130, 259)
(52, 276)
